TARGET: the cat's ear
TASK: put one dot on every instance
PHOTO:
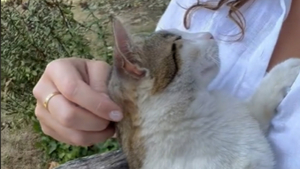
(122, 51)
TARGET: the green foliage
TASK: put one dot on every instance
(63, 152)
(32, 35)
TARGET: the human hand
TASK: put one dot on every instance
(81, 113)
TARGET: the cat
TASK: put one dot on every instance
(171, 120)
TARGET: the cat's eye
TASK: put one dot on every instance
(174, 48)
(174, 44)
(178, 38)
(174, 54)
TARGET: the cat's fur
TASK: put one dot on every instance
(171, 120)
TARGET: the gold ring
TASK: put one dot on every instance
(46, 102)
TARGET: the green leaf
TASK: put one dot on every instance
(61, 155)
(37, 127)
(53, 146)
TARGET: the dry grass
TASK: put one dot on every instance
(139, 19)
(18, 150)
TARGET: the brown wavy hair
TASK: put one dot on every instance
(234, 13)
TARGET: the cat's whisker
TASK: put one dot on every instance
(215, 61)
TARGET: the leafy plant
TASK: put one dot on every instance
(32, 35)
(39, 31)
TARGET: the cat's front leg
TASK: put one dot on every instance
(272, 90)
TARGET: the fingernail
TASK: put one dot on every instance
(115, 115)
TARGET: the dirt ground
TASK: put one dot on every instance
(17, 145)
(18, 150)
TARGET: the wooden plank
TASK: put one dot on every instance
(110, 160)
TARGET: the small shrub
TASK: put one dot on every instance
(32, 35)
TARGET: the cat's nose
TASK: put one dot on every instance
(194, 36)
(205, 35)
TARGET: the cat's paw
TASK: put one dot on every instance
(272, 90)
(289, 64)
(283, 75)
(277, 83)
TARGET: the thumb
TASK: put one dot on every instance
(98, 72)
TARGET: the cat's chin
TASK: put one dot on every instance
(201, 47)
(191, 36)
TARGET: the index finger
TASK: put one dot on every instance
(98, 81)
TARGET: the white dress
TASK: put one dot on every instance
(244, 63)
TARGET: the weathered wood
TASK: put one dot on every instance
(110, 160)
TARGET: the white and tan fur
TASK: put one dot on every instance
(175, 122)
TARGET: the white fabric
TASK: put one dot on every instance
(244, 63)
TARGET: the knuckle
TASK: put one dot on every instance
(37, 112)
(35, 91)
(98, 63)
(53, 65)
(69, 88)
(68, 117)
(103, 64)
(46, 130)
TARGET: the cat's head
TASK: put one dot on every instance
(160, 60)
